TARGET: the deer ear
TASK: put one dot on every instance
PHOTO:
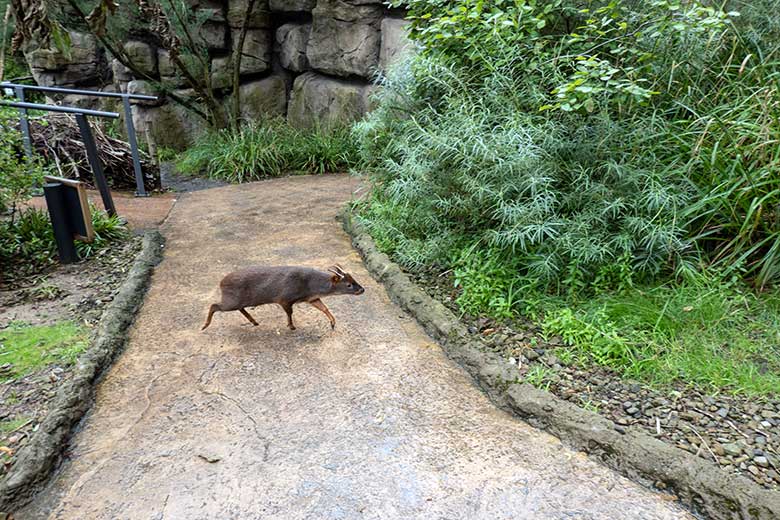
(335, 279)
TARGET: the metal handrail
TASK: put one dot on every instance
(60, 90)
(19, 92)
(58, 108)
(87, 138)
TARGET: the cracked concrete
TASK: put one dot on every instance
(368, 421)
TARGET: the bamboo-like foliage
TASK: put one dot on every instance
(543, 152)
(473, 169)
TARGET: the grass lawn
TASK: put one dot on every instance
(27, 348)
(11, 424)
(710, 335)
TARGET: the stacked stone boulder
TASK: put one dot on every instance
(314, 62)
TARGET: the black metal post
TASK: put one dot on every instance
(140, 190)
(55, 203)
(23, 124)
(94, 162)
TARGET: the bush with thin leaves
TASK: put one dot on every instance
(269, 149)
(553, 198)
(577, 139)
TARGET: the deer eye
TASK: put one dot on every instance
(349, 285)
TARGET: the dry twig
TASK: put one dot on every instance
(58, 140)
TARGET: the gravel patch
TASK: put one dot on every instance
(738, 433)
(174, 181)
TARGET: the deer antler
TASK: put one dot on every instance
(338, 271)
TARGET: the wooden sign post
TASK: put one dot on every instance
(66, 200)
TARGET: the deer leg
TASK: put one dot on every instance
(214, 308)
(317, 304)
(288, 309)
(248, 316)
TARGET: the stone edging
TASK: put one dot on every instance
(36, 460)
(699, 485)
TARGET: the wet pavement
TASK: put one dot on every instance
(370, 420)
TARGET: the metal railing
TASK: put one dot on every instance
(88, 139)
(19, 90)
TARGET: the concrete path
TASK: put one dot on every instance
(368, 421)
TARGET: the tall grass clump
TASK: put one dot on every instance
(720, 129)
(269, 149)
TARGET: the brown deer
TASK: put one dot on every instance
(283, 285)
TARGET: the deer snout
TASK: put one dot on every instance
(360, 291)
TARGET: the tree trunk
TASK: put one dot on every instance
(215, 115)
(4, 37)
(238, 53)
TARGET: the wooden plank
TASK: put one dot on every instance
(86, 214)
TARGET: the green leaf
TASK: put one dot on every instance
(589, 105)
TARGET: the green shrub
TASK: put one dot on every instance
(560, 201)
(595, 334)
(28, 243)
(582, 140)
(489, 283)
(608, 168)
(584, 55)
(18, 176)
(269, 149)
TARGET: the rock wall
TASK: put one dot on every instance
(312, 61)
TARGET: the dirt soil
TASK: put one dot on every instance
(75, 292)
(370, 420)
(738, 433)
(139, 212)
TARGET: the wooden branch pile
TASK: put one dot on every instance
(58, 140)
